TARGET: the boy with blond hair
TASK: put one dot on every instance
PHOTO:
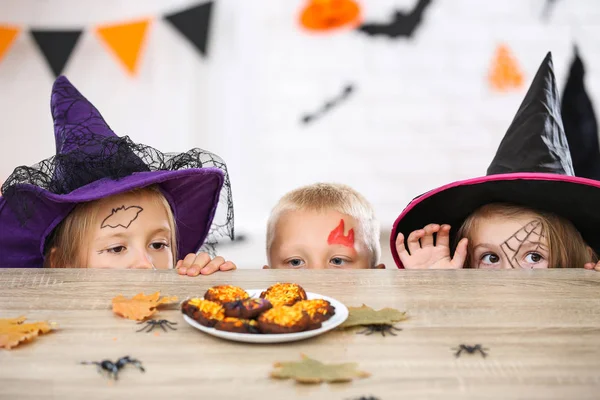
(323, 226)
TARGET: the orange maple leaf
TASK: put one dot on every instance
(13, 331)
(140, 306)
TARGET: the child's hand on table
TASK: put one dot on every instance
(592, 266)
(425, 255)
(201, 263)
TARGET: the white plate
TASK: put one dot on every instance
(341, 313)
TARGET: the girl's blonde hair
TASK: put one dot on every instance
(331, 196)
(566, 247)
(65, 247)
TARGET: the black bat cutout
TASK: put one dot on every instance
(122, 216)
(547, 8)
(402, 24)
(330, 104)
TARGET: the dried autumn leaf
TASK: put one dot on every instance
(140, 306)
(313, 371)
(13, 331)
(367, 316)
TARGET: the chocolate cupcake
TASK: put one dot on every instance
(246, 309)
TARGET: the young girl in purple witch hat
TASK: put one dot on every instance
(105, 202)
(530, 211)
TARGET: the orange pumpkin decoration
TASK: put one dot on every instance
(505, 73)
(325, 15)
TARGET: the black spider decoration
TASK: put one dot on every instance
(470, 350)
(113, 368)
(153, 323)
(383, 328)
(365, 398)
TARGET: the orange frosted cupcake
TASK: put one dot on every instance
(318, 311)
(205, 312)
(237, 325)
(283, 319)
(284, 294)
(225, 294)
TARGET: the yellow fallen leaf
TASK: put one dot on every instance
(313, 371)
(140, 306)
(13, 331)
(359, 316)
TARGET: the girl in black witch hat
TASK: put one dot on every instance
(530, 211)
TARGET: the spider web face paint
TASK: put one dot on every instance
(530, 233)
(122, 216)
(337, 236)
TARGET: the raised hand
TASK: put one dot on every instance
(423, 254)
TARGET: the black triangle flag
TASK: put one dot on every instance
(194, 24)
(56, 46)
(580, 123)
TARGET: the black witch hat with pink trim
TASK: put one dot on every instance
(532, 168)
(91, 163)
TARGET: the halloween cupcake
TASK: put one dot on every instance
(246, 309)
(225, 294)
(284, 294)
(318, 311)
(237, 325)
(283, 319)
(205, 312)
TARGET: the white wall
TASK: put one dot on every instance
(422, 114)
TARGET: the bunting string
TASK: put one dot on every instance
(124, 40)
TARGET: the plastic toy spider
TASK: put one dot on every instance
(383, 328)
(153, 323)
(113, 368)
(365, 398)
(470, 350)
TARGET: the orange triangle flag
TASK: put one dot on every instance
(126, 41)
(505, 73)
(7, 36)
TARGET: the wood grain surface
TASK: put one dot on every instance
(542, 329)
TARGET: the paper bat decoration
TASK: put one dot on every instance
(308, 118)
(547, 8)
(402, 24)
(122, 216)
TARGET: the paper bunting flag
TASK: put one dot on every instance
(579, 120)
(7, 36)
(194, 24)
(327, 15)
(125, 40)
(505, 73)
(56, 46)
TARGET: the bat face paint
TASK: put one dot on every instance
(337, 236)
(122, 216)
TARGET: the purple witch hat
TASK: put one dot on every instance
(92, 163)
(532, 168)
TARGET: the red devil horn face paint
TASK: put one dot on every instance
(337, 236)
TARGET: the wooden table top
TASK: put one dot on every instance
(542, 329)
